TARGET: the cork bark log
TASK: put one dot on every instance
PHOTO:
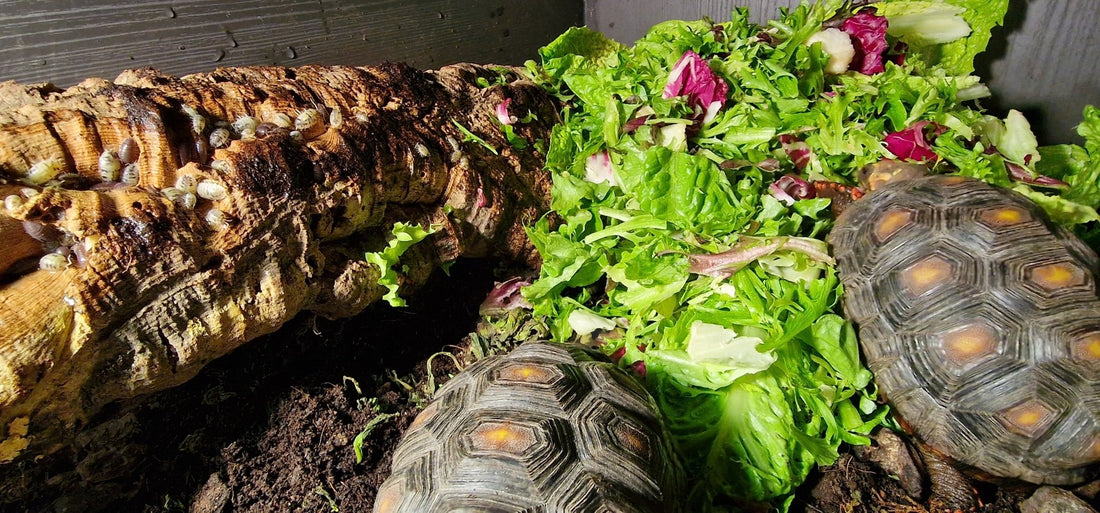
(157, 283)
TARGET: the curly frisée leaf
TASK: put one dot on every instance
(403, 236)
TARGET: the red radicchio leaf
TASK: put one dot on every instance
(798, 151)
(505, 296)
(618, 354)
(481, 201)
(789, 188)
(635, 124)
(781, 194)
(639, 368)
(692, 77)
(502, 113)
(910, 144)
(868, 31)
(598, 169)
(1021, 174)
(768, 164)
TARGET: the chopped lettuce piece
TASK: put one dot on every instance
(926, 23)
(1012, 137)
(950, 33)
(584, 321)
(402, 237)
(869, 30)
(717, 345)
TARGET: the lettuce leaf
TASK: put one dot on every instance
(950, 33)
(576, 46)
(402, 237)
(755, 370)
(1080, 168)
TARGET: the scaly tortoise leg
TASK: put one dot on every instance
(951, 491)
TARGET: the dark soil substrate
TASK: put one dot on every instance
(271, 427)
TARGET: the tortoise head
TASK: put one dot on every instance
(871, 177)
(875, 175)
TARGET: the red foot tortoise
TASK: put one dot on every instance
(547, 428)
(980, 320)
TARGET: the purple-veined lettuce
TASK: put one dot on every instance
(502, 113)
(912, 142)
(692, 77)
(869, 31)
(597, 168)
(791, 188)
(505, 296)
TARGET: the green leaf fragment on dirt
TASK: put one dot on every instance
(357, 443)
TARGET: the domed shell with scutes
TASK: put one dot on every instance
(981, 322)
(547, 428)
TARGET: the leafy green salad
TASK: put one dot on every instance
(694, 174)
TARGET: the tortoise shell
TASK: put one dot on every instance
(546, 428)
(980, 320)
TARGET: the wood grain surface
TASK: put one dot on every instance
(1044, 61)
(65, 41)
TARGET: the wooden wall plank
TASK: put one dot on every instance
(627, 20)
(1047, 64)
(1044, 61)
(65, 41)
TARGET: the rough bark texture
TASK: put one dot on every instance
(154, 290)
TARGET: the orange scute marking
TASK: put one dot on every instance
(1087, 347)
(424, 416)
(528, 373)
(951, 179)
(387, 499)
(1028, 418)
(1005, 216)
(890, 223)
(503, 436)
(926, 275)
(1056, 276)
(969, 343)
(632, 440)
